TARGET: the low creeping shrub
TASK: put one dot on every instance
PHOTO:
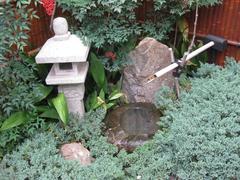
(38, 157)
(201, 132)
(199, 139)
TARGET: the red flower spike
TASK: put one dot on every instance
(48, 6)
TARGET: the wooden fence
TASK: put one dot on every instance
(222, 20)
(40, 30)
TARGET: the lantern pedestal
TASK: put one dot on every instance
(74, 94)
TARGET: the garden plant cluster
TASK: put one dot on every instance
(199, 135)
(199, 138)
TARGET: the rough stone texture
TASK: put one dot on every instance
(132, 125)
(148, 57)
(76, 151)
(74, 95)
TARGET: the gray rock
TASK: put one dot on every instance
(76, 151)
(148, 57)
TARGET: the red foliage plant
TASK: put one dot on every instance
(48, 6)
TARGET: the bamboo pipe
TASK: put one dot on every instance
(175, 65)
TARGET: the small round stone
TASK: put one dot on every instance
(60, 26)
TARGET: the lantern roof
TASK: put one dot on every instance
(63, 47)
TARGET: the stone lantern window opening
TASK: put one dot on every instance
(65, 66)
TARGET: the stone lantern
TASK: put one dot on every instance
(68, 54)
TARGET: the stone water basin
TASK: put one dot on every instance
(132, 125)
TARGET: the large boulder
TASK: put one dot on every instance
(148, 57)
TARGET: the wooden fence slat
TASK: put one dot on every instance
(222, 20)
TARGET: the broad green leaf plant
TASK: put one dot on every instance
(14, 120)
(60, 104)
(57, 109)
(104, 96)
(23, 103)
(23, 97)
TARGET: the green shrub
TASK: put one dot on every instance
(202, 135)
(17, 76)
(38, 157)
(165, 98)
(199, 139)
(18, 82)
(108, 22)
(113, 27)
(14, 24)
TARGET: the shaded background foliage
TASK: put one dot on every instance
(14, 24)
(111, 22)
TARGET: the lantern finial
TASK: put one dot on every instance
(60, 26)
